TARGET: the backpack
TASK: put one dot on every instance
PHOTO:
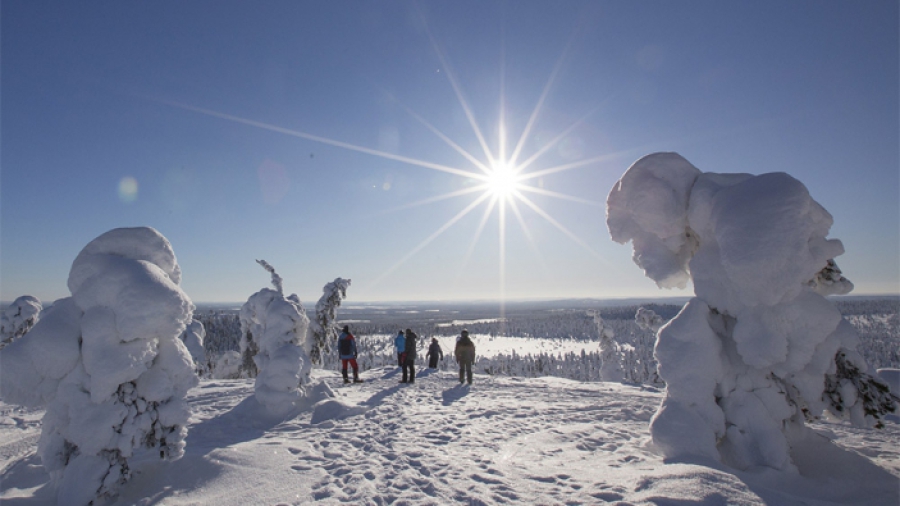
(345, 346)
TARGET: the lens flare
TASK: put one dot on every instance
(128, 189)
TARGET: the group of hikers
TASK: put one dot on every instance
(406, 344)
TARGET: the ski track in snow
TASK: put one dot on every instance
(500, 441)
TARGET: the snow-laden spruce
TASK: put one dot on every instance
(323, 327)
(192, 337)
(228, 366)
(647, 319)
(18, 318)
(758, 350)
(108, 364)
(611, 365)
(274, 329)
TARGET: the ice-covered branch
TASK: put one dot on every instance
(276, 279)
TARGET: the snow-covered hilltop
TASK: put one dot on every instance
(754, 393)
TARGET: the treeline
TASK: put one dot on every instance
(876, 320)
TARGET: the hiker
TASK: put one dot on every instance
(400, 344)
(434, 354)
(409, 357)
(465, 356)
(347, 353)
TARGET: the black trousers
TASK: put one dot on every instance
(410, 368)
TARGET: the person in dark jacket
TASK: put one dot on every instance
(465, 356)
(434, 354)
(400, 344)
(409, 364)
(347, 353)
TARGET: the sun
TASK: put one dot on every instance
(502, 180)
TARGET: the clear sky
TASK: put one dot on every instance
(323, 136)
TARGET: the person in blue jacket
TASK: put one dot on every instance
(347, 353)
(400, 344)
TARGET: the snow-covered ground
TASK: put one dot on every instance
(501, 441)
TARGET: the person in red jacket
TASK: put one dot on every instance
(347, 352)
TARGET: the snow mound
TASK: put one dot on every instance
(333, 409)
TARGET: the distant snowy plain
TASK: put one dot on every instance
(501, 441)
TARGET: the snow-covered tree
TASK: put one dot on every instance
(275, 327)
(323, 326)
(647, 319)
(610, 355)
(18, 318)
(108, 364)
(228, 366)
(192, 337)
(758, 350)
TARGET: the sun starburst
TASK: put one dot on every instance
(502, 180)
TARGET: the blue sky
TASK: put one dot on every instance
(284, 131)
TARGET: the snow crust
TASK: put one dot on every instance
(748, 356)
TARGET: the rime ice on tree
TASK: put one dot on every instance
(611, 365)
(323, 326)
(273, 337)
(18, 318)
(192, 337)
(108, 364)
(758, 350)
(647, 319)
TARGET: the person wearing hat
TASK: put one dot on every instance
(434, 354)
(347, 354)
(409, 362)
(465, 356)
